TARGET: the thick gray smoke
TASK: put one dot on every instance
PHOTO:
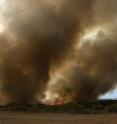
(38, 37)
(46, 34)
(105, 11)
(95, 70)
(97, 59)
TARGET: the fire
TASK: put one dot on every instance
(57, 101)
(52, 98)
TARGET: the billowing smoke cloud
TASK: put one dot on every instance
(94, 71)
(105, 11)
(66, 48)
(38, 37)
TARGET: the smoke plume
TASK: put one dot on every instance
(93, 71)
(38, 37)
(64, 48)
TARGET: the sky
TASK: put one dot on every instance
(110, 95)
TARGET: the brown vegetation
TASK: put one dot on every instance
(97, 107)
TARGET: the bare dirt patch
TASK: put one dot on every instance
(23, 118)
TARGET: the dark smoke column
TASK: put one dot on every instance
(44, 38)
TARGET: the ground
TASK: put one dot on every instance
(98, 112)
(34, 118)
